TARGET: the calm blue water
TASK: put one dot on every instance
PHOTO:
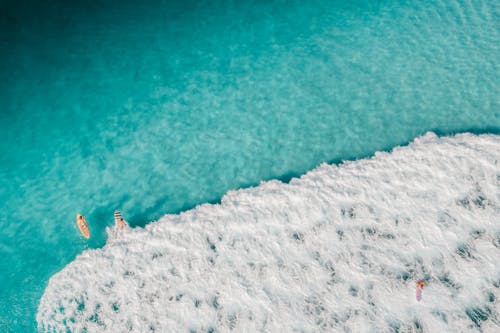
(153, 109)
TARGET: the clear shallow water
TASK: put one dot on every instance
(155, 109)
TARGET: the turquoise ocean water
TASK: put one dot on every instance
(155, 108)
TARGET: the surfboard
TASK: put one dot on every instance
(82, 224)
(120, 223)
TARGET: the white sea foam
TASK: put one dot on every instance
(339, 249)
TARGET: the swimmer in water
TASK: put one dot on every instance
(420, 288)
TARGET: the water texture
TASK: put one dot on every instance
(338, 250)
(155, 108)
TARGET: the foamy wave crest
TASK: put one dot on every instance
(339, 249)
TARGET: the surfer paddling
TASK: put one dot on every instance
(83, 226)
(120, 223)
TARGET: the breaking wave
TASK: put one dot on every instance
(339, 249)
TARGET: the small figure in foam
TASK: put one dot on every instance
(419, 289)
(120, 223)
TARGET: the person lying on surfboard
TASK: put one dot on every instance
(81, 222)
(120, 223)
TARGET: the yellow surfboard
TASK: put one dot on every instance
(82, 224)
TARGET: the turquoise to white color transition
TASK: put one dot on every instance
(157, 108)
